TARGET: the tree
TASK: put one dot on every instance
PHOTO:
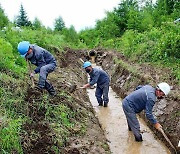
(176, 11)
(122, 11)
(70, 34)
(107, 27)
(4, 20)
(22, 19)
(89, 36)
(59, 24)
(37, 24)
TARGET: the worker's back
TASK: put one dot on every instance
(138, 98)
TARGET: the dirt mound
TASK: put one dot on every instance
(65, 123)
(37, 138)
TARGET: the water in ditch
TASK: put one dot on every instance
(120, 140)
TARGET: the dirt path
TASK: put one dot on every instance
(113, 122)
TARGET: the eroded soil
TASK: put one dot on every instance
(43, 132)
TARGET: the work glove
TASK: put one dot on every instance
(158, 126)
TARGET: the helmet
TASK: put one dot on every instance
(164, 87)
(86, 64)
(23, 48)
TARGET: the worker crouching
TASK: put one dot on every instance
(143, 98)
(44, 61)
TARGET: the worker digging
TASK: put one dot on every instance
(143, 98)
(102, 79)
(44, 61)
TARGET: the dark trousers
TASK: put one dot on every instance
(132, 120)
(102, 90)
(44, 71)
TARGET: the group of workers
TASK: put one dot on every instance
(143, 98)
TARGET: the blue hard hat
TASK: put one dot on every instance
(23, 48)
(86, 64)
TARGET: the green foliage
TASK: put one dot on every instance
(8, 62)
(42, 37)
(144, 32)
(133, 21)
(107, 27)
(62, 113)
(169, 44)
(9, 137)
(22, 19)
(89, 37)
(59, 24)
(37, 25)
(166, 7)
(14, 82)
(3, 18)
(12, 95)
(122, 11)
(70, 35)
(146, 23)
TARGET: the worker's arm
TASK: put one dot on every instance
(86, 86)
(40, 62)
(138, 87)
(94, 78)
(158, 126)
(149, 106)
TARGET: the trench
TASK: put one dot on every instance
(120, 140)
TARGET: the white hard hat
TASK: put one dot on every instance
(164, 87)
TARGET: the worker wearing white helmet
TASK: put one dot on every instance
(143, 98)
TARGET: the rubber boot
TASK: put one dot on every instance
(101, 104)
(52, 91)
(50, 88)
(105, 104)
(129, 128)
(139, 139)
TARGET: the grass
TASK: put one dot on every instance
(9, 136)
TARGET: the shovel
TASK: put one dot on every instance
(167, 139)
(73, 88)
(30, 71)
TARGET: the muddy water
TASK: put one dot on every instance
(120, 140)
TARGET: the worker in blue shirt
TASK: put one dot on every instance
(44, 61)
(143, 98)
(102, 79)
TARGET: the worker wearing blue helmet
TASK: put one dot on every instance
(102, 79)
(44, 61)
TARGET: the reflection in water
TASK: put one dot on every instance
(121, 141)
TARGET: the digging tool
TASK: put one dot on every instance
(73, 88)
(81, 60)
(30, 71)
(167, 139)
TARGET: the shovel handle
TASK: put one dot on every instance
(167, 139)
(30, 71)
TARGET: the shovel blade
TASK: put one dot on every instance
(72, 88)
